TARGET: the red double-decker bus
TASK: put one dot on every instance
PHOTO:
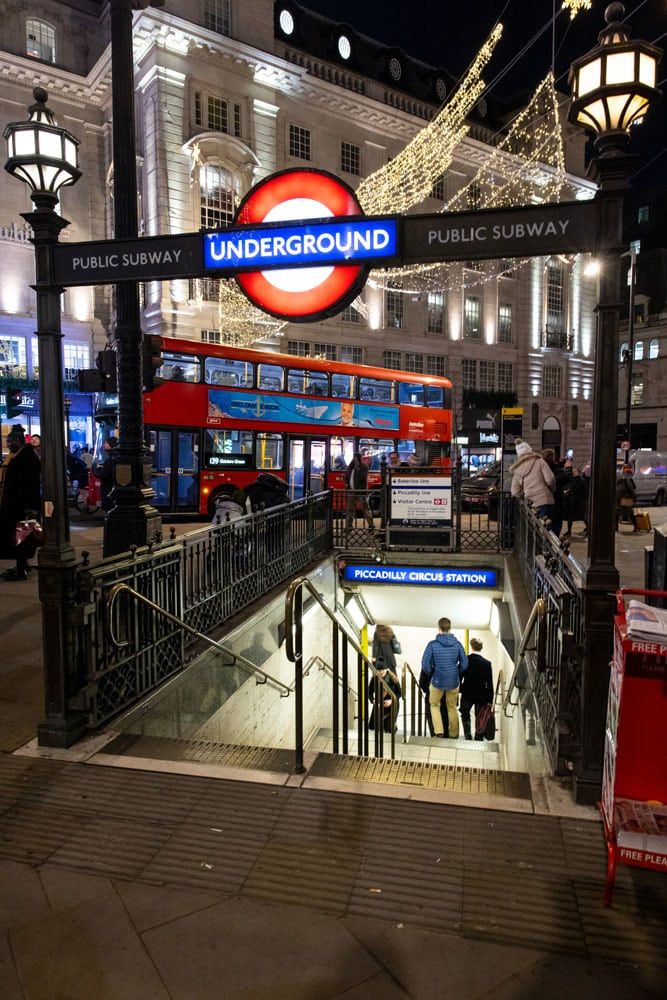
(224, 415)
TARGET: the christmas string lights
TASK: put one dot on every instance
(576, 6)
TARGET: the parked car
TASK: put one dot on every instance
(477, 491)
(649, 472)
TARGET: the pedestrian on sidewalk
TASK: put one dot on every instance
(19, 500)
(444, 662)
(356, 480)
(533, 480)
(476, 687)
(575, 501)
(626, 496)
(105, 471)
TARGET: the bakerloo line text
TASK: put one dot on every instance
(514, 230)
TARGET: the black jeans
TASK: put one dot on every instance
(464, 709)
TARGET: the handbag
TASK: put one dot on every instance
(485, 722)
(626, 502)
(395, 645)
(28, 530)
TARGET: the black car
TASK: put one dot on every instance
(479, 490)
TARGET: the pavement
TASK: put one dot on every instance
(126, 884)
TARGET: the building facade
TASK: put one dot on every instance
(229, 91)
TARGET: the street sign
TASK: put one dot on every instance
(152, 258)
(535, 231)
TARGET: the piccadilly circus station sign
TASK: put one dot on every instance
(334, 250)
(301, 247)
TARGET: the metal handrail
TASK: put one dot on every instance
(537, 613)
(261, 676)
(294, 653)
(328, 669)
(422, 703)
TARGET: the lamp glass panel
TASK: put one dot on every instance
(63, 178)
(70, 152)
(593, 116)
(24, 142)
(50, 144)
(618, 117)
(33, 174)
(48, 173)
(636, 110)
(620, 68)
(588, 78)
(647, 67)
(10, 145)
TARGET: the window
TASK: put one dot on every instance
(505, 382)
(218, 16)
(179, 368)
(435, 364)
(227, 371)
(469, 373)
(328, 352)
(487, 375)
(299, 142)
(221, 115)
(623, 352)
(299, 347)
(436, 312)
(474, 196)
(13, 362)
(307, 382)
(350, 158)
(227, 449)
(394, 309)
(208, 289)
(414, 362)
(653, 349)
(217, 191)
(378, 389)
(435, 397)
(644, 213)
(438, 190)
(555, 297)
(473, 265)
(40, 41)
(343, 386)
(352, 355)
(391, 359)
(75, 357)
(211, 337)
(269, 453)
(410, 394)
(639, 350)
(637, 393)
(574, 417)
(270, 377)
(471, 320)
(553, 377)
(351, 315)
(504, 323)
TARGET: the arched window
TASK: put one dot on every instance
(623, 352)
(40, 40)
(653, 349)
(639, 350)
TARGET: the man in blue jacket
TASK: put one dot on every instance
(444, 661)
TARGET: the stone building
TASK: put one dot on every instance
(228, 91)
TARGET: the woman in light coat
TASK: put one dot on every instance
(533, 480)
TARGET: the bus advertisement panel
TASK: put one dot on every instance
(227, 404)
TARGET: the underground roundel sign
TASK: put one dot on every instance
(300, 217)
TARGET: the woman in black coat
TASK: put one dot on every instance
(476, 687)
(385, 648)
(19, 499)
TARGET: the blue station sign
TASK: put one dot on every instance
(321, 242)
(422, 576)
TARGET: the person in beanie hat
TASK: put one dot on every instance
(19, 499)
(533, 480)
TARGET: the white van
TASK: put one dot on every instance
(650, 476)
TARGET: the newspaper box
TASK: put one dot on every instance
(634, 785)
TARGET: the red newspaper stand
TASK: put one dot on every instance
(634, 785)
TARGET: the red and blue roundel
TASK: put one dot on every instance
(305, 293)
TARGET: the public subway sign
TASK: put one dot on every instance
(422, 576)
(147, 259)
(535, 231)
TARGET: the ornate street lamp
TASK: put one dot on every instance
(44, 156)
(613, 87)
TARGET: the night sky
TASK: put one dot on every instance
(448, 33)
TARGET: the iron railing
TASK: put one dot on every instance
(416, 711)
(347, 658)
(201, 580)
(549, 572)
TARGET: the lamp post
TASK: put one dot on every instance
(45, 157)
(613, 86)
(631, 349)
(131, 520)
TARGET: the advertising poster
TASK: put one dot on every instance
(421, 501)
(234, 405)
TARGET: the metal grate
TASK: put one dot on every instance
(442, 777)
(203, 751)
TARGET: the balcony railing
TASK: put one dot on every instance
(557, 341)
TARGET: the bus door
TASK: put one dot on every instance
(307, 466)
(175, 468)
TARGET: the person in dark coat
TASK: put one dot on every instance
(476, 687)
(575, 501)
(626, 497)
(385, 648)
(562, 478)
(356, 481)
(105, 471)
(19, 499)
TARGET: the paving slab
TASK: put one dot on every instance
(153, 905)
(242, 948)
(22, 896)
(88, 952)
(69, 888)
(11, 987)
(557, 977)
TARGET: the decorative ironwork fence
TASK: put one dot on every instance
(553, 671)
(203, 579)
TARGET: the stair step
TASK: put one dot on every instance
(473, 745)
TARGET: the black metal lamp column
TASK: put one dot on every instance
(613, 86)
(131, 520)
(45, 157)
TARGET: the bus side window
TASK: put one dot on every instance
(376, 389)
(226, 371)
(434, 396)
(342, 386)
(270, 377)
(410, 394)
(269, 451)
